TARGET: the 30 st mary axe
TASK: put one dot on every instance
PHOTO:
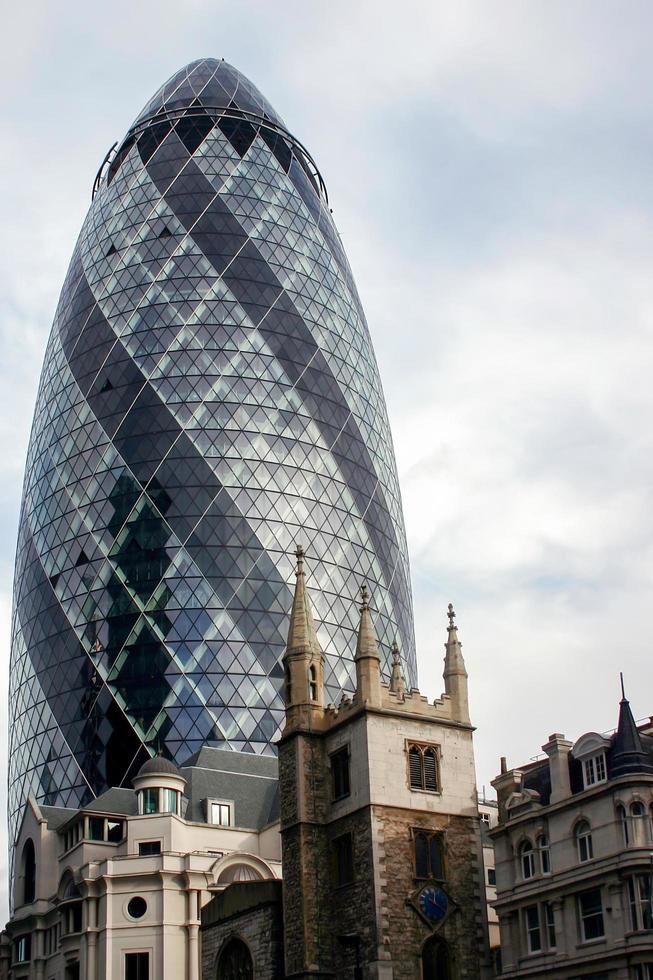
(209, 398)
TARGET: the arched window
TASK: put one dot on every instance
(239, 872)
(623, 820)
(545, 854)
(312, 683)
(527, 857)
(29, 872)
(235, 962)
(640, 823)
(435, 960)
(584, 841)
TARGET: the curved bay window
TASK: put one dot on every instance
(235, 962)
(424, 767)
(623, 820)
(640, 824)
(155, 800)
(545, 854)
(584, 844)
(639, 900)
(429, 854)
(527, 859)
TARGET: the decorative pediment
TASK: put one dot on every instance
(590, 744)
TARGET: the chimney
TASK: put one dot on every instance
(558, 749)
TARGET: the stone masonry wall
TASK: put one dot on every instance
(404, 929)
(304, 787)
(261, 928)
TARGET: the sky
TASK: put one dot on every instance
(489, 169)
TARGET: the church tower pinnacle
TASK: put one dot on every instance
(303, 661)
(367, 660)
(455, 674)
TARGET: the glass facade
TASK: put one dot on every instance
(209, 398)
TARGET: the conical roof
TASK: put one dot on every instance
(628, 752)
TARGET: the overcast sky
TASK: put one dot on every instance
(489, 167)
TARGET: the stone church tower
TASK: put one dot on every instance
(382, 873)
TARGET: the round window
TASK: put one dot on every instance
(137, 907)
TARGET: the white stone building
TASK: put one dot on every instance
(574, 858)
(114, 891)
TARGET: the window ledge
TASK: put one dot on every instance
(590, 942)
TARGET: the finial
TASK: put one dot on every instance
(623, 692)
(452, 615)
(397, 684)
(364, 597)
(299, 555)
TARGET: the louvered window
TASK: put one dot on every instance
(415, 757)
(424, 770)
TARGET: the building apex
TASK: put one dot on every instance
(453, 661)
(451, 614)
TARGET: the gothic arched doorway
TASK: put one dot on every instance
(435, 960)
(235, 962)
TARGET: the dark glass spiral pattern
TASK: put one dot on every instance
(209, 398)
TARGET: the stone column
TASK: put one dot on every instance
(91, 939)
(38, 953)
(193, 935)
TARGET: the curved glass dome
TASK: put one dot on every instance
(209, 398)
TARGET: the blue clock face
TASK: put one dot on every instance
(433, 903)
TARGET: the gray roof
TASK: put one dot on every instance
(250, 781)
(159, 766)
(57, 816)
(115, 800)
(229, 761)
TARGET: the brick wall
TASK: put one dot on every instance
(261, 928)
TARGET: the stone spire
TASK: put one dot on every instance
(367, 660)
(397, 684)
(455, 675)
(628, 752)
(303, 661)
(302, 637)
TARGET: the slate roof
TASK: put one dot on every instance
(250, 782)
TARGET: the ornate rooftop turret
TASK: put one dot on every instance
(368, 662)
(455, 674)
(628, 752)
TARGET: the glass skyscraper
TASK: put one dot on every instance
(209, 398)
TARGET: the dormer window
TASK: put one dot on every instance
(594, 770)
(590, 751)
